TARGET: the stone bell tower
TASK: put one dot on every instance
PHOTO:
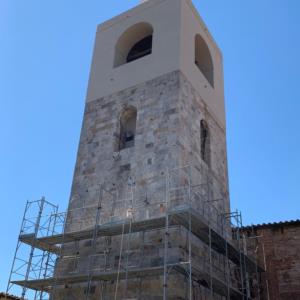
(155, 99)
(153, 142)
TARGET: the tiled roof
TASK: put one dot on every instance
(274, 224)
(7, 296)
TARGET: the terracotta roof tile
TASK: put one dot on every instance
(10, 297)
(274, 224)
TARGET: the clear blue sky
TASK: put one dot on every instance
(45, 54)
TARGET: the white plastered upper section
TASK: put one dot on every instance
(175, 24)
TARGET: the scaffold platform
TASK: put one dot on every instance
(198, 275)
(210, 254)
(179, 216)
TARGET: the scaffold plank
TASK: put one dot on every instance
(179, 216)
(199, 276)
(30, 239)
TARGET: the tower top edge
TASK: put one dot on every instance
(148, 4)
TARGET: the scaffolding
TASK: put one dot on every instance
(197, 243)
(40, 219)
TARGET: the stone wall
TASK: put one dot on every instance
(133, 183)
(155, 149)
(192, 110)
(167, 137)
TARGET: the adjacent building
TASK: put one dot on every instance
(278, 247)
(4, 296)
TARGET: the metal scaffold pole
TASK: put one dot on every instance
(209, 241)
(30, 262)
(166, 238)
(244, 251)
(227, 270)
(142, 250)
(193, 244)
(46, 256)
(190, 236)
(36, 230)
(210, 266)
(120, 262)
(130, 215)
(94, 240)
(17, 248)
(243, 270)
(59, 257)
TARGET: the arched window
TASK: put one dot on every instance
(203, 59)
(127, 128)
(134, 43)
(205, 142)
(140, 49)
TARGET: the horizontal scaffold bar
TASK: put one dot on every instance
(179, 216)
(198, 275)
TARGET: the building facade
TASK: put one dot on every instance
(4, 296)
(154, 120)
(279, 248)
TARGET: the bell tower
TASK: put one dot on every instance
(152, 156)
(155, 98)
(149, 214)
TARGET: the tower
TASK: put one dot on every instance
(153, 134)
(149, 214)
(153, 129)
(155, 100)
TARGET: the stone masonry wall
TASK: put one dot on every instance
(167, 137)
(192, 110)
(156, 138)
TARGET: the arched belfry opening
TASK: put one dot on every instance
(203, 59)
(205, 142)
(134, 43)
(127, 128)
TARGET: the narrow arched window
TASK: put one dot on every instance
(134, 43)
(205, 142)
(127, 128)
(203, 59)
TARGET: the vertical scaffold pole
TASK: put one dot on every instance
(166, 238)
(46, 254)
(17, 248)
(142, 250)
(128, 247)
(227, 270)
(209, 240)
(237, 215)
(127, 258)
(120, 262)
(59, 256)
(190, 234)
(36, 230)
(94, 239)
(210, 264)
(244, 249)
